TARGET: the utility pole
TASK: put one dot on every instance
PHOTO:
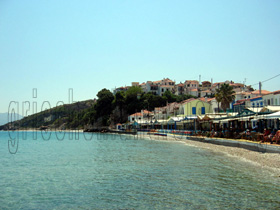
(260, 88)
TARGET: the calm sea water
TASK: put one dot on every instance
(100, 171)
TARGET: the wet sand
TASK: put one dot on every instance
(267, 161)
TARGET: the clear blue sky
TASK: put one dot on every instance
(54, 45)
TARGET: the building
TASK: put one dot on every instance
(193, 107)
(140, 117)
(272, 98)
(179, 89)
(206, 85)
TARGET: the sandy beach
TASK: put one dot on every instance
(266, 161)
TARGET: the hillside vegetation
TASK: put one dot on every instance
(108, 109)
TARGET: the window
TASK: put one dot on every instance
(202, 110)
(271, 101)
(253, 104)
(268, 102)
(276, 101)
(193, 110)
(132, 119)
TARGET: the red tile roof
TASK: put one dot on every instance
(206, 100)
(191, 81)
(188, 100)
(264, 92)
(274, 92)
(136, 114)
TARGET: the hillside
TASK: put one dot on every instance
(63, 117)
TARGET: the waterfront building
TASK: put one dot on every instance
(193, 107)
(143, 116)
(272, 98)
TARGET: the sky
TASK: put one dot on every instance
(51, 46)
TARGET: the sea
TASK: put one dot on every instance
(76, 170)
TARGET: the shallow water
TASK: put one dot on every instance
(124, 172)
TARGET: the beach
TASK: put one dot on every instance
(264, 160)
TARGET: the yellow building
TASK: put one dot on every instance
(194, 107)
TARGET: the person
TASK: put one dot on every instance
(271, 135)
(248, 134)
(266, 133)
(276, 137)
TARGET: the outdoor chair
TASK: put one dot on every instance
(254, 136)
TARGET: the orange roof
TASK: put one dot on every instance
(166, 86)
(217, 83)
(159, 81)
(136, 114)
(211, 99)
(274, 92)
(236, 84)
(191, 81)
(147, 112)
(167, 80)
(181, 85)
(205, 100)
(242, 93)
(188, 100)
(264, 92)
(164, 80)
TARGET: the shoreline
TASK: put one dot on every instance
(267, 161)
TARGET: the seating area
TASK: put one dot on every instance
(272, 137)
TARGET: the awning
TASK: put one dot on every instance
(273, 115)
(244, 119)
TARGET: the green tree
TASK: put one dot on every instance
(224, 95)
(169, 97)
(132, 99)
(150, 101)
(104, 106)
(181, 98)
(119, 101)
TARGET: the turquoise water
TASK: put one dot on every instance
(118, 172)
